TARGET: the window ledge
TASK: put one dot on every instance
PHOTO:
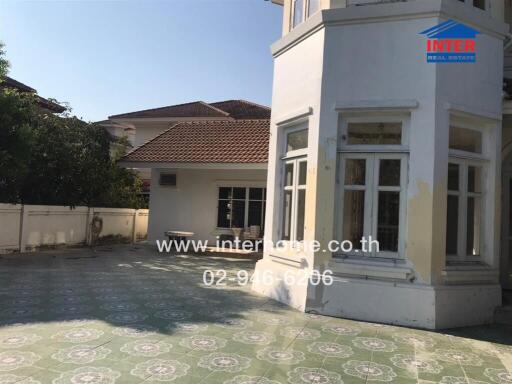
(471, 273)
(387, 270)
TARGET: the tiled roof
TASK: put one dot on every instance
(194, 109)
(241, 109)
(9, 82)
(229, 109)
(212, 141)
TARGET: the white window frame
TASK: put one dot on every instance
(246, 207)
(305, 13)
(295, 157)
(463, 194)
(294, 188)
(466, 159)
(404, 119)
(372, 190)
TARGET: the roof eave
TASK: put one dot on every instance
(170, 165)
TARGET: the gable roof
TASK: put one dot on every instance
(211, 141)
(242, 109)
(229, 109)
(194, 109)
(9, 82)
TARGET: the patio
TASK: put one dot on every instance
(127, 314)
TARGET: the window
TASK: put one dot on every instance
(168, 179)
(296, 140)
(374, 133)
(476, 3)
(241, 207)
(302, 9)
(464, 210)
(298, 12)
(294, 199)
(465, 139)
(371, 201)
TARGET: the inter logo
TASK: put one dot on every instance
(451, 42)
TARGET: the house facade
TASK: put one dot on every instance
(207, 163)
(370, 139)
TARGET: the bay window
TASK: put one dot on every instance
(465, 184)
(294, 171)
(372, 201)
(371, 184)
(241, 207)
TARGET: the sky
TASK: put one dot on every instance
(105, 58)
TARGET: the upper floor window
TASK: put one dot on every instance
(302, 9)
(367, 132)
(476, 3)
(465, 139)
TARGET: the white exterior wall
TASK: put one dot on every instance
(367, 60)
(30, 227)
(192, 205)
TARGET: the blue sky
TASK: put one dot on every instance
(112, 57)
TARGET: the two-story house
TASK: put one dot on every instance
(373, 136)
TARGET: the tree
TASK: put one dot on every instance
(57, 160)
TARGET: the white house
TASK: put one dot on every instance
(208, 166)
(394, 147)
(368, 139)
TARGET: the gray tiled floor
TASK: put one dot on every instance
(130, 315)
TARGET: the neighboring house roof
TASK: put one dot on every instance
(9, 82)
(211, 141)
(241, 109)
(194, 109)
(229, 109)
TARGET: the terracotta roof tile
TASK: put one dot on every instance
(241, 109)
(211, 141)
(194, 109)
(229, 109)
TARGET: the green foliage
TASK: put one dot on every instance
(48, 159)
(4, 64)
(58, 160)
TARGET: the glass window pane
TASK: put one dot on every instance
(298, 12)
(389, 172)
(453, 177)
(224, 193)
(452, 224)
(479, 4)
(353, 217)
(388, 221)
(223, 214)
(474, 179)
(303, 168)
(297, 140)
(256, 193)
(473, 227)
(238, 214)
(301, 209)
(314, 6)
(355, 172)
(374, 133)
(239, 193)
(255, 213)
(464, 139)
(288, 174)
(287, 215)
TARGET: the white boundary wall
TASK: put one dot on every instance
(25, 228)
